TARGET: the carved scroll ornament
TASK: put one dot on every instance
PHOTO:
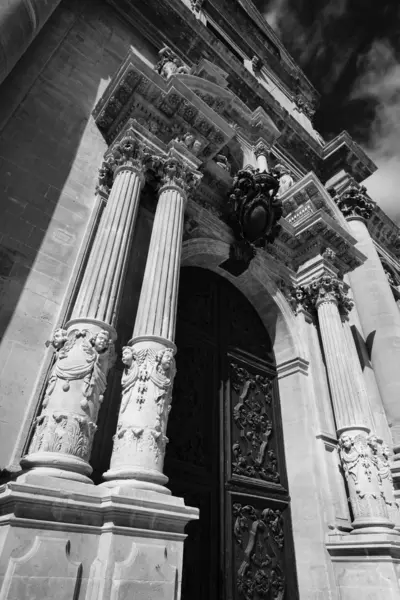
(259, 540)
(252, 456)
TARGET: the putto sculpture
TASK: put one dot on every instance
(170, 64)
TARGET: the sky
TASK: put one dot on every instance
(350, 51)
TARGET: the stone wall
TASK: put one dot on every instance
(50, 151)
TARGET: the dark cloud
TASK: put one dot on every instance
(350, 51)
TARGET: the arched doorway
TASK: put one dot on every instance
(225, 453)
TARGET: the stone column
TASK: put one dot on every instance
(261, 152)
(64, 430)
(378, 311)
(20, 22)
(329, 298)
(139, 444)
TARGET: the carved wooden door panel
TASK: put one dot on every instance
(225, 453)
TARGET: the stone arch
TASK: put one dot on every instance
(261, 291)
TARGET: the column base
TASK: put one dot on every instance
(140, 479)
(62, 540)
(366, 566)
(54, 464)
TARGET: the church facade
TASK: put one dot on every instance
(200, 328)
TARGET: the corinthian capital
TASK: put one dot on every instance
(323, 289)
(175, 172)
(329, 289)
(354, 202)
(130, 151)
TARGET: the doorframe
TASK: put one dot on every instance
(298, 407)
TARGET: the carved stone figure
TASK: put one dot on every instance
(354, 202)
(170, 64)
(380, 456)
(146, 395)
(282, 174)
(362, 479)
(223, 162)
(73, 395)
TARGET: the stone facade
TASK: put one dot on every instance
(137, 140)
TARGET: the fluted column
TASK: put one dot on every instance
(377, 310)
(65, 428)
(140, 440)
(361, 470)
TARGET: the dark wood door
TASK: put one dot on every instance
(225, 453)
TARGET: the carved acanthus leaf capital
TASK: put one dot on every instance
(261, 149)
(175, 172)
(323, 289)
(130, 151)
(354, 202)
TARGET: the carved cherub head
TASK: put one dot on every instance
(279, 171)
(346, 441)
(386, 451)
(188, 139)
(196, 146)
(164, 360)
(59, 338)
(101, 340)
(373, 443)
(128, 356)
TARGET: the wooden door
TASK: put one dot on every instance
(225, 453)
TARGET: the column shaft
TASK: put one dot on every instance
(380, 320)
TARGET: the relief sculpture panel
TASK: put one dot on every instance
(253, 446)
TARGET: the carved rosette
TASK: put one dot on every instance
(380, 455)
(322, 290)
(140, 440)
(354, 202)
(170, 64)
(64, 430)
(361, 470)
(259, 543)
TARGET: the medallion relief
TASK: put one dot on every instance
(252, 454)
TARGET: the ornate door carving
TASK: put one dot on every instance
(225, 453)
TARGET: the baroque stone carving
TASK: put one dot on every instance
(174, 172)
(197, 5)
(380, 459)
(251, 453)
(323, 289)
(305, 106)
(362, 475)
(354, 202)
(254, 212)
(170, 64)
(284, 177)
(259, 541)
(146, 396)
(189, 140)
(256, 63)
(74, 392)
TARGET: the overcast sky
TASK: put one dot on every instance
(350, 50)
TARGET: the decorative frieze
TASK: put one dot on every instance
(354, 202)
(170, 64)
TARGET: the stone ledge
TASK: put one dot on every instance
(75, 504)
